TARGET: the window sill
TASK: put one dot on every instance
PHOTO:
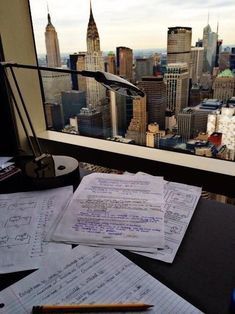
(174, 158)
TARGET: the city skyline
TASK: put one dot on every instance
(70, 18)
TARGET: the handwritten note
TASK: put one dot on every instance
(25, 219)
(115, 210)
(180, 201)
(91, 275)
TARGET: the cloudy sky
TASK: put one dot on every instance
(131, 23)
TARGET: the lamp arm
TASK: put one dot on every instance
(19, 114)
(27, 114)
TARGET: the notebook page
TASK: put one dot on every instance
(91, 275)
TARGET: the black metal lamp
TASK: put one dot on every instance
(45, 167)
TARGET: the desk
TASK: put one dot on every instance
(203, 271)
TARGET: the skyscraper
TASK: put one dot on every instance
(81, 61)
(52, 45)
(224, 123)
(137, 127)
(224, 57)
(155, 90)
(110, 65)
(177, 80)
(72, 102)
(179, 44)
(73, 66)
(224, 86)
(192, 121)
(53, 83)
(210, 46)
(90, 122)
(124, 57)
(196, 64)
(153, 135)
(94, 62)
(143, 67)
(53, 114)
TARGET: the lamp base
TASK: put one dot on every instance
(48, 171)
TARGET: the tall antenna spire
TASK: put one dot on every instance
(48, 14)
(208, 17)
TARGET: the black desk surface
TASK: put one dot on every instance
(203, 271)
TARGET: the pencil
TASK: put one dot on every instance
(85, 308)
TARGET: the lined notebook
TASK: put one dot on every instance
(91, 275)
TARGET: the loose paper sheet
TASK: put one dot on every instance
(25, 219)
(180, 201)
(91, 275)
(115, 210)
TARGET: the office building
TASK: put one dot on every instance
(52, 45)
(196, 64)
(170, 120)
(94, 62)
(153, 135)
(177, 81)
(73, 58)
(163, 63)
(156, 97)
(193, 120)
(143, 67)
(224, 60)
(137, 127)
(90, 122)
(72, 102)
(199, 43)
(81, 65)
(54, 117)
(54, 84)
(169, 141)
(195, 95)
(179, 44)
(224, 85)
(123, 106)
(224, 122)
(210, 40)
(110, 64)
(124, 62)
(206, 82)
(218, 51)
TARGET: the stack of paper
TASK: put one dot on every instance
(138, 212)
(117, 211)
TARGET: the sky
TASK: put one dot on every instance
(137, 24)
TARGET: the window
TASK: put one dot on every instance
(19, 46)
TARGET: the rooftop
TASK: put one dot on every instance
(226, 73)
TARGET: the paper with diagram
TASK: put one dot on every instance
(180, 201)
(25, 219)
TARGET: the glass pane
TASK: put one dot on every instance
(189, 83)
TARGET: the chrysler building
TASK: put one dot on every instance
(94, 62)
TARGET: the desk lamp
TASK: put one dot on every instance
(45, 167)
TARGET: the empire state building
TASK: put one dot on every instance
(94, 62)
(52, 45)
